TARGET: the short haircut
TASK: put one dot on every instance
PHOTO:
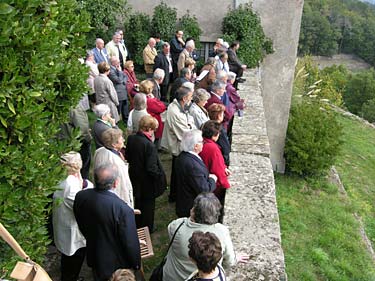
(103, 67)
(189, 61)
(114, 59)
(206, 208)
(217, 85)
(185, 71)
(205, 250)
(219, 41)
(200, 95)
(140, 101)
(111, 136)
(189, 85)
(190, 139)
(72, 161)
(211, 129)
(105, 176)
(223, 54)
(222, 75)
(146, 86)
(166, 44)
(182, 92)
(128, 63)
(234, 44)
(148, 122)
(190, 44)
(231, 75)
(214, 110)
(210, 61)
(89, 53)
(101, 109)
(159, 74)
(157, 36)
(123, 275)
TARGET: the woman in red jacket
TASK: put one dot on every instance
(213, 158)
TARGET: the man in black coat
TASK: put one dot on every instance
(164, 61)
(191, 174)
(108, 225)
(145, 171)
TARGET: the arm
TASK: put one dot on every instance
(112, 93)
(114, 77)
(217, 167)
(199, 182)
(152, 166)
(233, 59)
(229, 256)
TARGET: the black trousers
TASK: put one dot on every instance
(85, 152)
(123, 110)
(172, 186)
(147, 208)
(220, 193)
(71, 265)
(164, 92)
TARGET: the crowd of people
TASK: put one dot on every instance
(178, 110)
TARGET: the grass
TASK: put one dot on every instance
(320, 236)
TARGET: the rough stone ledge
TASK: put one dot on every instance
(251, 207)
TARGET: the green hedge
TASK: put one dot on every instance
(40, 79)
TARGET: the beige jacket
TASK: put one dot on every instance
(181, 60)
(112, 50)
(149, 55)
(125, 189)
(105, 93)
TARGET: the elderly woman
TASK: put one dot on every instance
(105, 91)
(145, 171)
(155, 107)
(67, 236)
(197, 109)
(222, 62)
(113, 141)
(93, 72)
(190, 63)
(214, 160)
(235, 102)
(216, 113)
(203, 217)
(140, 110)
(132, 84)
(103, 123)
(210, 74)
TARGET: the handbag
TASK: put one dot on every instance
(23, 271)
(157, 273)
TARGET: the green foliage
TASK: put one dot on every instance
(368, 110)
(106, 17)
(164, 21)
(189, 24)
(360, 89)
(139, 28)
(40, 80)
(313, 138)
(244, 25)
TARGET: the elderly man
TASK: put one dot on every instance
(177, 46)
(218, 45)
(108, 224)
(192, 177)
(100, 53)
(149, 54)
(116, 49)
(177, 121)
(164, 61)
(157, 80)
(184, 77)
(217, 93)
(186, 53)
(235, 64)
(119, 79)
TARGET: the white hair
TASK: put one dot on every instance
(188, 85)
(190, 139)
(101, 109)
(231, 75)
(159, 74)
(190, 44)
(226, 45)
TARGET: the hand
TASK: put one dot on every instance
(242, 258)
(228, 172)
(151, 96)
(112, 121)
(244, 66)
(214, 177)
(181, 40)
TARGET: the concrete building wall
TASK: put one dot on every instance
(209, 13)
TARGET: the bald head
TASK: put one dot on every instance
(152, 42)
(99, 43)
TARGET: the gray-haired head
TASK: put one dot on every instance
(182, 92)
(159, 74)
(72, 161)
(101, 110)
(140, 101)
(105, 176)
(217, 85)
(211, 61)
(222, 75)
(190, 139)
(190, 45)
(189, 85)
(185, 72)
(231, 76)
(206, 208)
(89, 53)
(200, 95)
(226, 45)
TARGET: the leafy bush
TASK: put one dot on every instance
(106, 16)
(189, 24)
(40, 80)
(360, 89)
(164, 21)
(244, 25)
(136, 40)
(368, 110)
(313, 138)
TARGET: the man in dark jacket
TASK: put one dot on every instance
(164, 61)
(108, 225)
(177, 46)
(192, 177)
(118, 78)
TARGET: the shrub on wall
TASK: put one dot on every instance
(313, 138)
(138, 32)
(40, 80)
(244, 25)
(164, 21)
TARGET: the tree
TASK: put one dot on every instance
(189, 24)
(164, 21)
(40, 80)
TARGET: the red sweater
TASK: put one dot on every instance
(155, 107)
(212, 157)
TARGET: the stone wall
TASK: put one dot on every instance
(251, 207)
